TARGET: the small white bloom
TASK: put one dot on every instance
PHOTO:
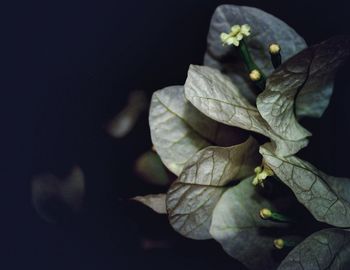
(261, 174)
(245, 29)
(238, 32)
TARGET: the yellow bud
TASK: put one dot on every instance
(255, 75)
(278, 243)
(258, 170)
(265, 213)
(274, 48)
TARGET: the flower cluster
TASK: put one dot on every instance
(196, 130)
(236, 35)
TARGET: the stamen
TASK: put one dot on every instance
(275, 53)
(274, 48)
(266, 213)
(282, 243)
(255, 75)
(261, 174)
(278, 243)
(237, 38)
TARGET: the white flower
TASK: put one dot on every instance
(237, 33)
(261, 174)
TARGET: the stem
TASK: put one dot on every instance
(290, 244)
(280, 217)
(276, 60)
(250, 64)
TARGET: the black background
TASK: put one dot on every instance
(70, 68)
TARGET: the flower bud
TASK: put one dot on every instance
(265, 213)
(255, 75)
(278, 243)
(274, 48)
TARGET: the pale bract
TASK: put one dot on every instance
(198, 131)
(306, 77)
(192, 198)
(154, 201)
(216, 96)
(178, 130)
(326, 197)
(265, 29)
(124, 121)
(151, 169)
(237, 226)
(322, 59)
(325, 249)
(55, 198)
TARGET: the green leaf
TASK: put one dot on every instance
(326, 197)
(217, 97)
(266, 29)
(55, 198)
(192, 198)
(306, 78)
(150, 167)
(237, 226)
(178, 130)
(325, 249)
(153, 201)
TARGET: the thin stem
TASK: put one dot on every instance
(250, 64)
(280, 217)
(276, 60)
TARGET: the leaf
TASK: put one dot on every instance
(125, 120)
(192, 198)
(323, 62)
(214, 95)
(326, 197)
(217, 97)
(54, 198)
(285, 147)
(150, 167)
(266, 29)
(153, 201)
(276, 102)
(179, 130)
(325, 249)
(306, 76)
(233, 67)
(237, 226)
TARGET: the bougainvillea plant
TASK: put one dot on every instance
(231, 134)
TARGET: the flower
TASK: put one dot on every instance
(237, 33)
(202, 203)
(261, 174)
